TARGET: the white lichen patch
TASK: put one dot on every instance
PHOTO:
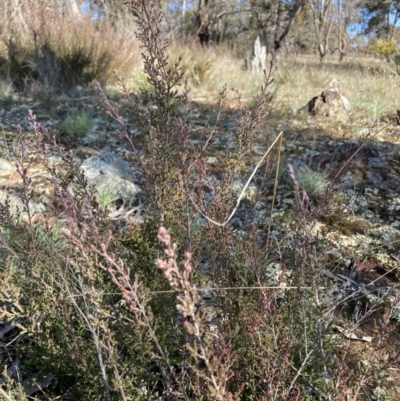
(393, 205)
(385, 260)
(358, 241)
(373, 191)
(249, 194)
(385, 233)
(274, 274)
(317, 227)
(357, 203)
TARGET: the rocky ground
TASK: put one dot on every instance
(362, 165)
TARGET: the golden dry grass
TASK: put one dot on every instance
(41, 40)
(371, 85)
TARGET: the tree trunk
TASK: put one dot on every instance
(322, 24)
(342, 52)
(342, 26)
(280, 35)
(322, 49)
(203, 32)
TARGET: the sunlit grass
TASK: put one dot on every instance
(207, 70)
(371, 85)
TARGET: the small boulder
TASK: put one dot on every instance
(392, 118)
(113, 179)
(330, 103)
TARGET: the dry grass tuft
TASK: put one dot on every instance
(45, 42)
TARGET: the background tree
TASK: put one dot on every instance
(345, 13)
(322, 12)
(231, 20)
(380, 17)
(286, 14)
(203, 31)
(272, 20)
(341, 28)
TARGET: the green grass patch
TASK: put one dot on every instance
(77, 124)
(314, 182)
(6, 101)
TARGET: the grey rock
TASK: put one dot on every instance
(17, 206)
(376, 162)
(212, 160)
(113, 179)
(6, 166)
(330, 103)
(374, 178)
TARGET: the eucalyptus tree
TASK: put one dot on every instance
(323, 17)
(273, 20)
(380, 17)
(220, 20)
(345, 14)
